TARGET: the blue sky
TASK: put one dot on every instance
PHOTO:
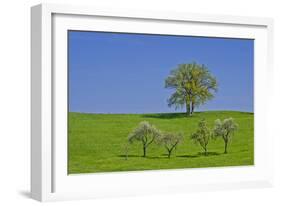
(125, 73)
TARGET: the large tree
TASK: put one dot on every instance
(144, 133)
(193, 85)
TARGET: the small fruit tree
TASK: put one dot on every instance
(170, 141)
(144, 133)
(202, 135)
(225, 129)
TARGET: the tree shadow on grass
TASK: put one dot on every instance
(164, 156)
(188, 156)
(124, 156)
(208, 154)
(157, 157)
(200, 154)
(166, 115)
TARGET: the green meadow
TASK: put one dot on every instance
(97, 142)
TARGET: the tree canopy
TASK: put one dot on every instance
(193, 85)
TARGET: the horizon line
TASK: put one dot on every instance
(165, 112)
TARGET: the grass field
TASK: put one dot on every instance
(97, 142)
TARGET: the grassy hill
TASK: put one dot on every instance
(97, 142)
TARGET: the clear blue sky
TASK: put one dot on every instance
(125, 73)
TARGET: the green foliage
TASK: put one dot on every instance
(193, 85)
(202, 135)
(170, 141)
(144, 133)
(225, 129)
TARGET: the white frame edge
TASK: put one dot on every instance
(41, 75)
(40, 96)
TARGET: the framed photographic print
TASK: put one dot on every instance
(136, 102)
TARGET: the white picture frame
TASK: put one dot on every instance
(49, 178)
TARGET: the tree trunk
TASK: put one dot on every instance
(144, 151)
(225, 147)
(192, 107)
(205, 151)
(169, 153)
(187, 104)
